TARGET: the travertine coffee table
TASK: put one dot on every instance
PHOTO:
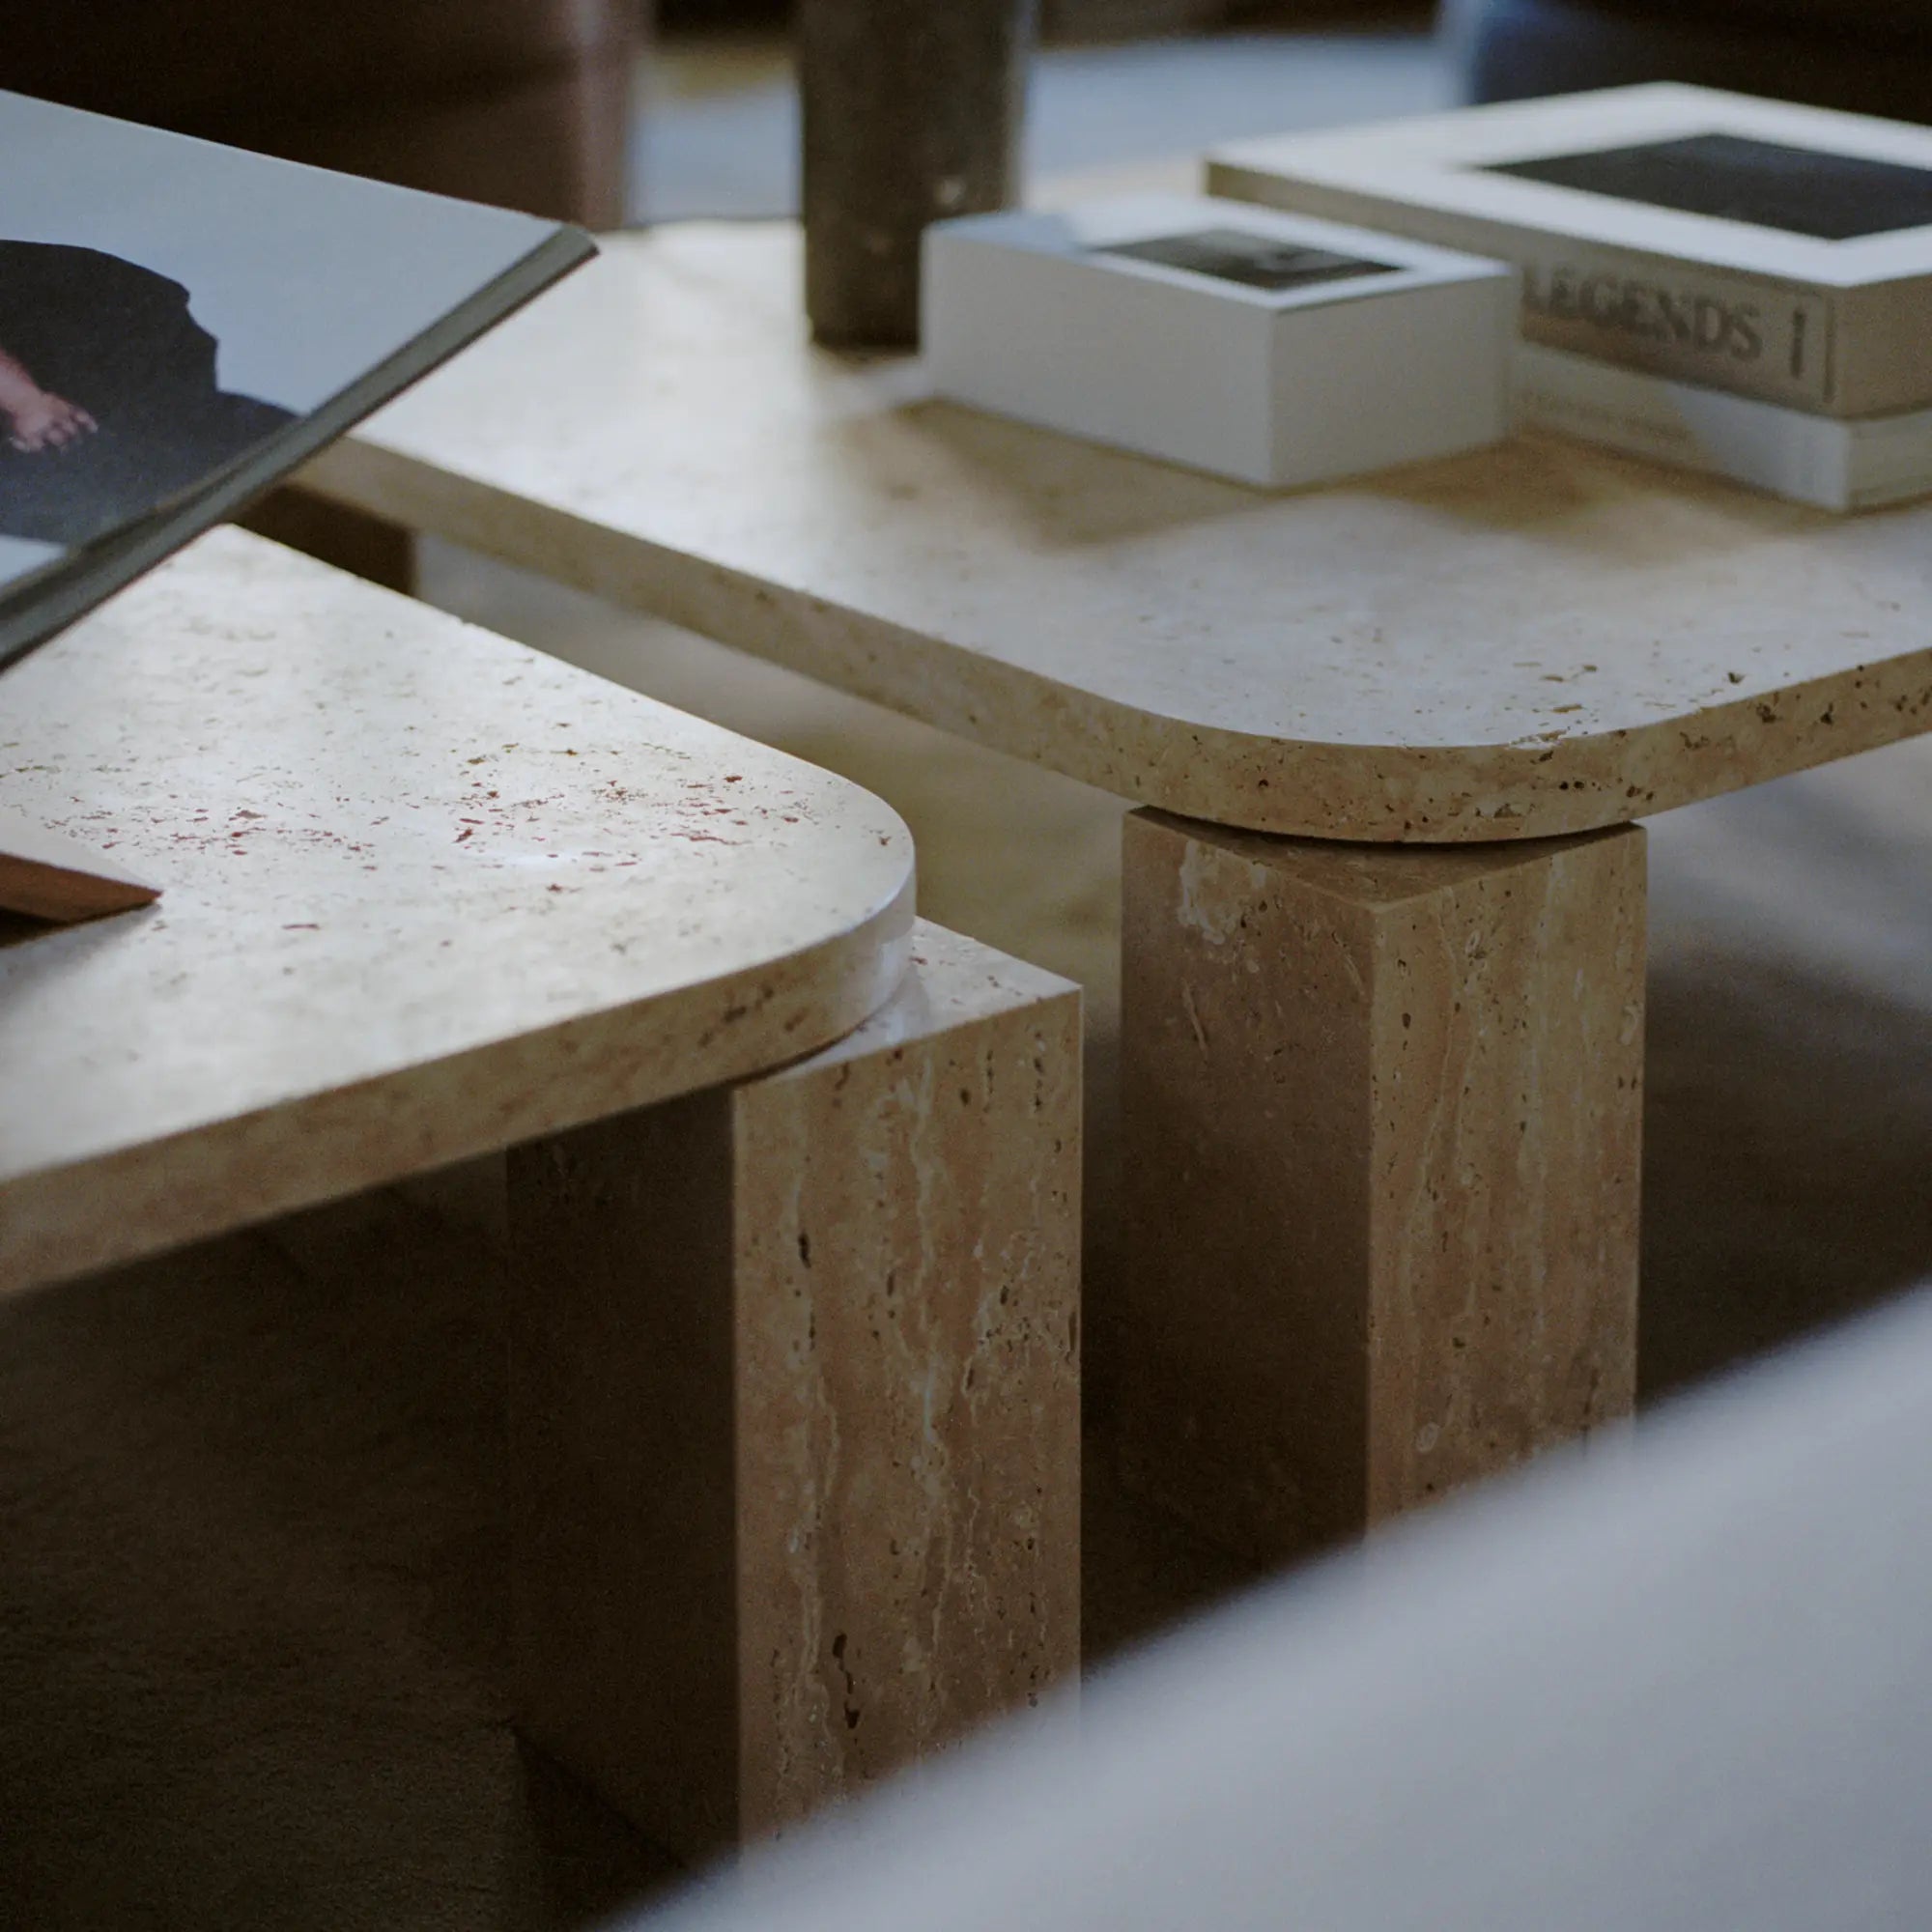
(792, 1179)
(1385, 918)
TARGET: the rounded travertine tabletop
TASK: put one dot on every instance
(427, 893)
(1539, 640)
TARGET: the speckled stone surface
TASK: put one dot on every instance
(795, 1408)
(1539, 640)
(426, 893)
(1382, 1111)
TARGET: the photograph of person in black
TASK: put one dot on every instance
(108, 402)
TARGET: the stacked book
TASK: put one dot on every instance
(1735, 285)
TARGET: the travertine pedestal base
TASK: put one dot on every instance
(45, 874)
(1382, 1119)
(795, 1410)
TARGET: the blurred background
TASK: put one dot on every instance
(606, 110)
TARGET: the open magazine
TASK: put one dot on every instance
(182, 324)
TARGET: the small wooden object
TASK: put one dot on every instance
(47, 875)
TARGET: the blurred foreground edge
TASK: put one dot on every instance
(1683, 1682)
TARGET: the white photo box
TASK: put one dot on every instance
(1276, 349)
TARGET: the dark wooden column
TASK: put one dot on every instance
(912, 113)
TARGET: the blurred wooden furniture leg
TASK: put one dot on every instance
(795, 1410)
(368, 546)
(908, 114)
(1381, 1118)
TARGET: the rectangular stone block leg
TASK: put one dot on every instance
(795, 1411)
(1382, 1119)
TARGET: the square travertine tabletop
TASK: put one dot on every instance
(1537, 640)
